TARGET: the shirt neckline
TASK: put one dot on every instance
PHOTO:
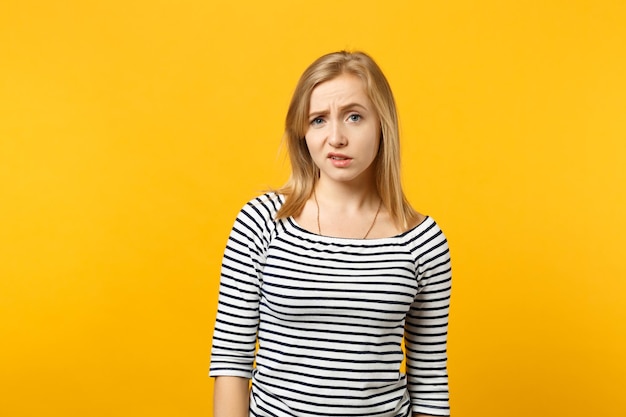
(294, 224)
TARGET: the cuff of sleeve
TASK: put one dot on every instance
(230, 372)
(431, 410)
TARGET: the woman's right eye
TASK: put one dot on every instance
(317, 121)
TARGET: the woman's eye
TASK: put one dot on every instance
(354, 117)
(317, 121)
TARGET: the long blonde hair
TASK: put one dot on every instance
(304, 172)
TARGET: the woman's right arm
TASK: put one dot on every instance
(237, 319)
(231, 396)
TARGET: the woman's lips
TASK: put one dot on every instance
(339, 160)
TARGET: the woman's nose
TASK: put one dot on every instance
(337, 138)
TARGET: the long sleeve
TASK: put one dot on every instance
(237, 319)
(426, 328)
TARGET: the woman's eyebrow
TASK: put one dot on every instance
(352, 105)
(341, 109)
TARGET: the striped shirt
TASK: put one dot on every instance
(330, 316)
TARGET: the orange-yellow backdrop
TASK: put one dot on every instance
(132, 131)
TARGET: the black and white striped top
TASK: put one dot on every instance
(329, 315)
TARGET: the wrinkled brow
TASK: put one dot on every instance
(341, 109)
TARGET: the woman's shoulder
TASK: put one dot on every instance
(425, 229)
(257, 217)
(269, 199)
(425, 237)
(263, 206)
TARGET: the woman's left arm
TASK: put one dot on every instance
(426, 328)
(426, 415)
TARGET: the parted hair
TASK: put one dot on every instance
(304, 173)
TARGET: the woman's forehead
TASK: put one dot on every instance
(340, 91)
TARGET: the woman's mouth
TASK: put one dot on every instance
(339, 160)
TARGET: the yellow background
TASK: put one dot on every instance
(131, 132)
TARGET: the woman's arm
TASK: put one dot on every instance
(237, 319)
(426, 328)
(231, 397)
(421, 415)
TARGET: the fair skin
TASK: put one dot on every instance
(343, 139)
(231, 397)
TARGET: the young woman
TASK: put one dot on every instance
(330, 273)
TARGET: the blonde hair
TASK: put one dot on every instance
(304, 172)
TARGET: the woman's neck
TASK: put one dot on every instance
(346, 197)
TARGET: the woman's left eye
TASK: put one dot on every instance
(354, 117)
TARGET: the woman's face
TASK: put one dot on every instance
(343, 134)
